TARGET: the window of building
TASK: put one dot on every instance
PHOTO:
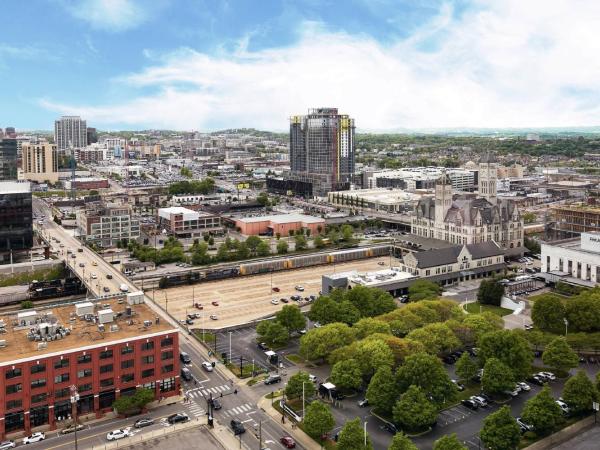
(38, 368)
(106, 354)
(13, 404)
(106, 369)
(127, 378)
(151, 385)
(38, 416)
(166, 369)
(108, 382)
(41, 382)
(167, 385)
(147, 373)
(39, 398)
(84, 359)
(127, 364)
(13, 373)
(84, 373)
(61, 363)
(166, 342)
(62, 410)
(148, 346)
(84, 387)
(147, 359)
(60, 393)
(61, 378)
(14, 421)
(166, 355)
(126, 350)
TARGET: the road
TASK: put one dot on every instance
(241, 405)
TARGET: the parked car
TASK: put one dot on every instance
(69, 429)
(35, 437)
(299, 288)
(287, 442)
(388, 426)
(145, 422)
(189, 321)
(118, 434)
(185, 358)
(276, 289)
(524, 425)
(479, 400)
(536, 380)
(216, 404)
(459, 386)
(296, 298)
(363, 403)
(549, 375)
(470, 404)
(524, 386)
(237, 427)
(177, 418)
(5, 445)
(108, 276)
(275, 302)
(272, 379)
(213, 317)
(312, 378)
(186, 374)
(263, 346)
(207, 366)
(563, 406)
(215, 303)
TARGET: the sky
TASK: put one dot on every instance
(391, 64)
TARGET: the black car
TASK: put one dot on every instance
(470, 404)
(486, 397)
(237, 427)
(536, 380)
(145, 422)
(263, 346)
(449, 359)
(185, 358)
(273, 379)
(108, 276)
(216, 404)
(189, 321)
(177, 418)
(388, 426)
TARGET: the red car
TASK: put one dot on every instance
(198, 305)
(287, 442)
(275, 289)
(215, 303)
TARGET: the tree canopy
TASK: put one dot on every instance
(559, 355)
(500, 430)
(579, 393)
(490, 292)
(413, 411)
(318, 343)
(382, 391)
(497, 377)
(510, 348)
(542, 412)
(291, 318)
(424, 290)
(318, 420)
(448, 442)
(548, 313)
(352, 437)
(427, 372)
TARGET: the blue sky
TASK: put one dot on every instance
(209, 64)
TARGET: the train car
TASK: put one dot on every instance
(220, 274)
(34, 285)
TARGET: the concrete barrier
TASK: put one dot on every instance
(563, 435)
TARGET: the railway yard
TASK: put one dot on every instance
(247, 298)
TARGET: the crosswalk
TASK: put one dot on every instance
(203, 392)
(242, 409)
(197, 410)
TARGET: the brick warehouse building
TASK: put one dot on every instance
(105, 350)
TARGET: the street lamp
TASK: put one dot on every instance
(365, 432)
(566, 325)
(303, 398)
(230, 333)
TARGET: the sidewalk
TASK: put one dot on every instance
(299, 436)
(225, 436)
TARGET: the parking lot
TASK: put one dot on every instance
(247, 298)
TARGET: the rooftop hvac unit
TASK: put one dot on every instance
(147, 323)
(2, 343)
(82, 309)
(42, 345)
(105, 316)
(114, 327)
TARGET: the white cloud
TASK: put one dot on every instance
(110, 15)
(501, 64)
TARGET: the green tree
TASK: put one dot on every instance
(466, 367)
(347, 232)
(318, 242)
(367, 326)
(437, 338)
(333, 236)
(262, 249)
(272, 332)
(479, 324)
(324, 310)
(448, 442)
(542, 412)
(26, 304)
(211, 241)
(490, 292)
(370, 301)
(282, 247)
(318, 343)
(291, 318)
(347, 313)
(402, 442)
(371, 354)
(529, 217)
(424, 290)
(579, 393)
(427, 372)
(318, 420)
(352, 437)
(263, 199)
(496, 378)
(413, 411)
(560, 356)
(252, 243)
(382, 391)
(500, 430)
(293, 388)
(300, 242)
(510, 348)
(548, 313)
(583, 311)
(346, 374)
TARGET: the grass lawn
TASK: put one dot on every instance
(209, 338)
(474, 308)
(533, 298)
(296, 359)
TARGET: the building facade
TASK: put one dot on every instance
(16, 229)
(414, 178)
(393, 201)
(187, 223)
(578, 258)
(573, 219)
(466, 219)
(40, 162)
(46, 352)
(280, 224)
(106, 224)
(70, 132)
(8, 159)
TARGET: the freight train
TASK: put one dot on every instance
(56, 288)
(274, 265)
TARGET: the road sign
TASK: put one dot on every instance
(596, 406)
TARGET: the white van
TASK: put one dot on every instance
(124, 288)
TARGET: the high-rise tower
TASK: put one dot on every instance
(70, 132)
(488, 176)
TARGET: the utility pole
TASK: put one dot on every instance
(74, 400)
(260, 435)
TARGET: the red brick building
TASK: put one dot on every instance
(105, 353)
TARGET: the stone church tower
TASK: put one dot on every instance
(488, 175)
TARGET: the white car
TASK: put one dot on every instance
(275, 302)
(93, 276)
(213, 317)
(207, 366)
(118, 434)
(548, 375)
(563, 406)
(299, 288)
(524, 386)
(5, 445)
(35, 437)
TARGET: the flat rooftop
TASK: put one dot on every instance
(82, 333)
(14, 187)
(282, 218)
(380, 277)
